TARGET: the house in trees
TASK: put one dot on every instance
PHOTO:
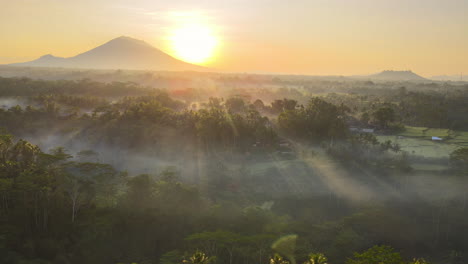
(367, 130)
(361, 130)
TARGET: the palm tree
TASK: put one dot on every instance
(419, 261)
(277, 259)
(198, 258)
(317, 258)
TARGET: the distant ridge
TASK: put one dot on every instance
(454, 78)
(397, 76)
(119, 53)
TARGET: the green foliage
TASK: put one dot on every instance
(316, 258)
(383, 116)
(140, 192)
(235, 105)
(377, 255)
(278, 259)
(199, 258)
(319, 120)
(56, 207)
(172, 257)
(365, 118)
(419, 261)
(278, 106)
(286, 246)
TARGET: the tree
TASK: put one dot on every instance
(199, 258)
(278, 259)
(316, 258)
(6, 187)
(383, 116)
(419, 261)
(235, 105)
(365, 118)
(214, 103)
(377, 255)
(139, 192)
(319, 120)
(172, 196)
(217, 242)
(259, 105)
(171, 257)
(286, 246)
(79, 192)
(278, 106)
(79, 183)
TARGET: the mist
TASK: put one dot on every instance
(251, 156)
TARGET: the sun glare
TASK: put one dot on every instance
(194, 43)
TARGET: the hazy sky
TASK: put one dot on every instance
(318, 37)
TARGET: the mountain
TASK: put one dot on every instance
(396, 76)
(119, 53)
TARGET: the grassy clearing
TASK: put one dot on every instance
(418, 141)
(459, 138)
(437, 132)
(424, 132)
(429, 167)
(413, 131)
(421, 147)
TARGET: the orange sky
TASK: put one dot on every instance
(318, 37)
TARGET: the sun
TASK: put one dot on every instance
(194, 43)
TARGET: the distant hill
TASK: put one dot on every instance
(397, 76)
(455, 78)
(120, 53)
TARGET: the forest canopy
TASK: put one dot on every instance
(306, 171)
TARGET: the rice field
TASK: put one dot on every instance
(418, 141)
(424, 132)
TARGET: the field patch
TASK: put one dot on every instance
(459, 138)
(425, 132)
(418, 141)
(421, 146)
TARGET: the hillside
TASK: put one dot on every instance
(397, 76)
